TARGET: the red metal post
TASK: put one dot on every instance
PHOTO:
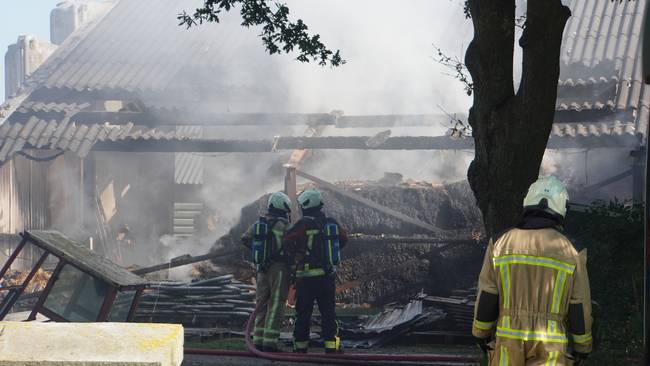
(134, 305)
(107, 305)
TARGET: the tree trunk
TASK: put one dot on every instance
(511, 130)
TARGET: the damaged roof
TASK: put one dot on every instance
(83, 258)
(600, 76)
(137, 54)
(70, 136)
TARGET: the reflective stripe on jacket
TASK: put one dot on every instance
(532, 278)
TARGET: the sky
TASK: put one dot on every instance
(22, 17)
(390, 52)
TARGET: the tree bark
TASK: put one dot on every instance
(511, 130)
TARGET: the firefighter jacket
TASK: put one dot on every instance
(304, 241)
(534, 288)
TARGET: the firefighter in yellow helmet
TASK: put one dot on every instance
(533, 291)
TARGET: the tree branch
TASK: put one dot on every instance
(279, 34)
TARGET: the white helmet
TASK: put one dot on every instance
(310, 198)
(280, 201)
(549, 194)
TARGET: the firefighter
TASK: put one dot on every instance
(533, 290)
(315, 241)
(272, 270)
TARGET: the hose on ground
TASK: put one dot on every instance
(332, 359)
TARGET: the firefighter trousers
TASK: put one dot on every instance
(515, 352)
(272, 289)
(322, 290)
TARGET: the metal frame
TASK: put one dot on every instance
(134, 305)
(46, 291)
(39, 307)
(8, 304)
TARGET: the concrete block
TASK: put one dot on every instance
(90, 344)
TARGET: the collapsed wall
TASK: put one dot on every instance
(378, 271)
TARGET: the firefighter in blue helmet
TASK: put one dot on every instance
(265, 239)
(314, 242)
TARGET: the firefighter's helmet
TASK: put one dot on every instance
(547, 194)
(280, 201)
(310, 198)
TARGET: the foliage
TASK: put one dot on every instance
(456, 65)
(613, 234)
(279, 34)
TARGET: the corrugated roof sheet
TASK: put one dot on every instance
(188, 167)
(70, 136)
(601, 47)
(69, 108)
(139, 46)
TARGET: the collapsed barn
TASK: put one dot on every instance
(120, 144)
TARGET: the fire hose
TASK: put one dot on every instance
(331, 359)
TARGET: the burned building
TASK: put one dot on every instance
(136, 129)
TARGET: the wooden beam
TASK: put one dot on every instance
(374, 205)
(594, 187)
(284, 143)
(187, 260)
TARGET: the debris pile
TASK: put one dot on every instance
(215, 300)
(380, 329)
(381, 269)
(16, 278)
(459, 306)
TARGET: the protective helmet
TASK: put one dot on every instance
(280, 201)
(547, 194)
(310, 198)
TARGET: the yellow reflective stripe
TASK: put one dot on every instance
(311, 273)
(558, 292)
(552, 327)
(275, 302)
(581, 338)
(505, 322)
(505, 284)
(484, 325)
(310, 237)
(504, 357)
(330, 344)
(535, 261)
(301, 345)
(278, 238)
(552, 358)
(527, 335)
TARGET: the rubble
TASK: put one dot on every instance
(459, 307)
(220, 299)
(389, 325)
(381, 268)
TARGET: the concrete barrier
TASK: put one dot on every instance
(90, 344)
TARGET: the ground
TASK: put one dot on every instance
(238, 344)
